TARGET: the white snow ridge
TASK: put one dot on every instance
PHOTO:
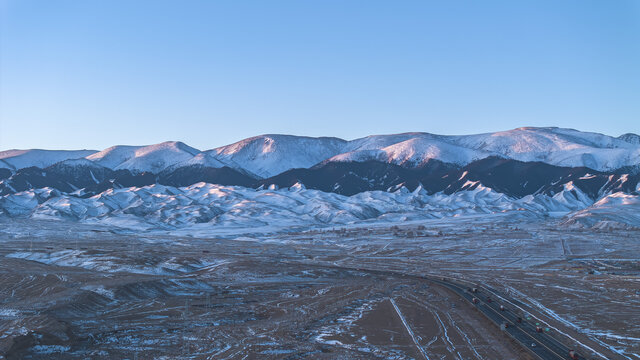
(269, 155)
(214, 207)
(153, 158)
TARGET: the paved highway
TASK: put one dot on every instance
(546, 346)
(524, 331)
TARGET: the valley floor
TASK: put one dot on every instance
(76, 291)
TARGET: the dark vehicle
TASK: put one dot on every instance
(489, 300)
(573, 355)
(519, 319)
(475, 300)
(538, 329)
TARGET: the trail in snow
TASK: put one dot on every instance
(465, 336)
(406, 326)
(452, 349)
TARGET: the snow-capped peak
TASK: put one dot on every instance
(630, 138)
(268, 155)
(153, 158)
(114, 156)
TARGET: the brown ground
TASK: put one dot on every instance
(87, 294)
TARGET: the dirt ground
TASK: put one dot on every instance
(74, 291)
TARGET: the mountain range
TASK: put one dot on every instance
(268, 155)
(542, 163)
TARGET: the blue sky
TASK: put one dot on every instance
(90, 74)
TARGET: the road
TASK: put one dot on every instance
(547, 347)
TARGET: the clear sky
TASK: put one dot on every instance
(91, 74)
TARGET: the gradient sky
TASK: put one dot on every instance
(91, 74)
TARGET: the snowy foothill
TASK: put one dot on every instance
(617, 210)
(206, 206)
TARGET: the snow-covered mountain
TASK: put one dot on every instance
(152, 158)
(114, 156)
(213, 207)
(206, 159)
(20, 159)
(630, 138)
(511, 177)
(555, 146)
(409, 150)
(206, 207)
(282, 181)
(269, 155)
(617, 210)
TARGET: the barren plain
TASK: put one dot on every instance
(77, 291)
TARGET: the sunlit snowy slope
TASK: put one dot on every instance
(555, 146)
(210, 207)
(268, 155)
(19, 159)
(152, 158)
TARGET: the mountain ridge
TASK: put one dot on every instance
(268, 155)
(296, 181)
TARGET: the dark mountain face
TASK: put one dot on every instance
(4, 173)
(78, 176)
(347, 178)
(633, 170)
(69, 178)
(24, 179)
(36, 178)
(511, 177)
(60, 176)
(515, 178)
(518, 179)
(121, 179)
(94, 179)
(189, 175)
